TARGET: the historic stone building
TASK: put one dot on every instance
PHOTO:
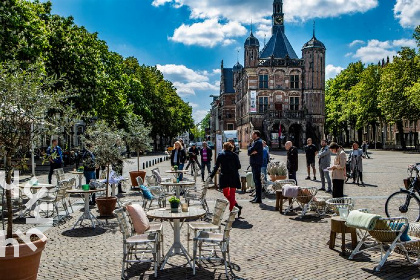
(275, 91)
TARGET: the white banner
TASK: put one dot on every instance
(219, 144)
(253, 102)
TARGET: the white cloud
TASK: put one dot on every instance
(408, 12)
(199, 115)
(295, 10)
(331, 71)
(208, 33)
(191, 88)
(377, 50)
(348, 54)
(174, 72)
(356, 42)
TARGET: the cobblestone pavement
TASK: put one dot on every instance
(264, 243)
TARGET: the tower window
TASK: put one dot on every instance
(294, 81)
(263, 81)
(294, 103)
(262, 104)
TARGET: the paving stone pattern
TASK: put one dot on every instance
(264, 243)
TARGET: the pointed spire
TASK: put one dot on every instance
(251, 28)
(237, 56)
(265, 36)
(314, 30)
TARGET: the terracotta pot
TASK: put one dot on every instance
(24, 267)
(134, 175)
(106, 205)
(277, 177)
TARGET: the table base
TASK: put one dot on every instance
(87, 214)
(176, 249)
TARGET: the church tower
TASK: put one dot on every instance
(252, 49)
(278, 16)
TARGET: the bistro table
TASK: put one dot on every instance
(86, 214)
(175, 218)
(35, 192)
(177, 186)
(113, 181)
(80, 176)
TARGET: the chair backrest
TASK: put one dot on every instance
(124, 206)
(59, 174)
(306, 194)
(203, 192)
(123, 222)
(139, 180)
(278, 184)
(388, 229)
(151, 180)
(229, 223)
(219, 209)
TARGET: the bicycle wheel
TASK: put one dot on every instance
(396, 206)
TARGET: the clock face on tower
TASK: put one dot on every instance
(278, 20)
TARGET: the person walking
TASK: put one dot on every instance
(206, 155)
(55, 157)
(118, 169)
(338, 170)
(292, 160)
(235, 148)
(178, 157)
(89, 168)
(311, 151)
(266, 159)
(324, 156)
(356, 156)
(229, 164)
(255, 153)
(193, 152)
(364, 149)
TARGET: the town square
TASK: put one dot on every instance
(184, 139)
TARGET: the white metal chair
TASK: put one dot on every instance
(219, 239)
(388, 231)
(55, 198)
(278, 185)
(158, 193)
(154, 227)
(198, 196)
(214, 225)
(306, 199)
(340, 202)
(136, 245)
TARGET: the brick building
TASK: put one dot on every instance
(275, 91)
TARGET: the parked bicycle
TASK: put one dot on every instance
(406, 202)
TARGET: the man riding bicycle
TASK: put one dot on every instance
(193, 152)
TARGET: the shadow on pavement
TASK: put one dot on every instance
(84, 232)
(242, 224)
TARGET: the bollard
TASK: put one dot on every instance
(143, 166)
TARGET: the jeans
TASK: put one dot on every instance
(193, 165)
(256, 175)
(180, 167)
(90, 175)
(229, 193)
(292, 175)
(338, 188)
(325, 175)
(203, 167)
(264, 171)
(53, 166)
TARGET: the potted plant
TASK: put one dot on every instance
(107, 147)
(174, 204)
(175, 168)
(26, 99)
(137, 137)
(277, 171)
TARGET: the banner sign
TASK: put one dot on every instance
(253, 102)
(219, 144)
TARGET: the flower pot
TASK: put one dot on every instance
(106, 205)
(24, 267)
(277, 177)
(174, 207)
(134, 175)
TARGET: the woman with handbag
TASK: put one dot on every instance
(338, 169)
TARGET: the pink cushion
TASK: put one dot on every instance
(139, 218)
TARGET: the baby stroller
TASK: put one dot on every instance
(348, 169)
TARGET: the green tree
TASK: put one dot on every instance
(137, 136)
(397, 79)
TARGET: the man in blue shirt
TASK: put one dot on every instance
(55, 156)
(255, 153)
(266, 159)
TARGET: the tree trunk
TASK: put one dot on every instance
(401, 134)
(9, 171)
(107, 180)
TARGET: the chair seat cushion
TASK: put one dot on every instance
(138, 218)
(141, 238)
(202, 226)
(404, 236)
(146, 192)
(154, 227)
(209, 236)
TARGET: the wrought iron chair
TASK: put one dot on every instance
(214, 225)
(340, 202)
(134, 244)
(219, 239)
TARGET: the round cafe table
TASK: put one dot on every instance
(177, 186)
(86, 214)
(80, 176)
(175, 220)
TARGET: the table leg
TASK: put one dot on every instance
(277, 201)
(80, 181)
(343, 241)
(353, 239)
(87, 214)
(177, 191)
(332, 239)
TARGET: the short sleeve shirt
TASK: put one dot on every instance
(310, 151)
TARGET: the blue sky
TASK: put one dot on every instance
(187, 39)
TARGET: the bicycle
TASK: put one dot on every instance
(398, 203)
(195, 167)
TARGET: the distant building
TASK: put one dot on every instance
(275, 91)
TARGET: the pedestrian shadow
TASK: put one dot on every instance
(84, 232)
(311, 218)
(267, 207)
(242, 224)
